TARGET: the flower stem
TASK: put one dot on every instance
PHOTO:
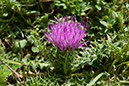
(65, 63)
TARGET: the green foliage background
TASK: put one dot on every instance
(22, 47)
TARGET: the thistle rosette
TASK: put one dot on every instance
(65, 34)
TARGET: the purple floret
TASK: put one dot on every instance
(66, 35)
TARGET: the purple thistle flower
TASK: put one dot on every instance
(66, 35)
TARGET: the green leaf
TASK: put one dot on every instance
(120, 18)
(114, 14)
(33, 12)
(92, 82)
(61, 4)
(35, 49)
(16, 46)
(13, 62)
(98, 7)
(5, 14)
(43, 65)
(4, 71)
(52, 5)
(104, 23)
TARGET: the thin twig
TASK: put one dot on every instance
(21, 51)
(109, 80)
(127, 78)
(23, 17)
(51, 12)
(8, 83)
(23, 66)
(24, 75)
(8, 43)
(20, 31)
(30, 5)
(89, 11)
(2, 44)
(13, 72)
(11, 17)
(41, 6)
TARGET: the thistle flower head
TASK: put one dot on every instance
(66, 35)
